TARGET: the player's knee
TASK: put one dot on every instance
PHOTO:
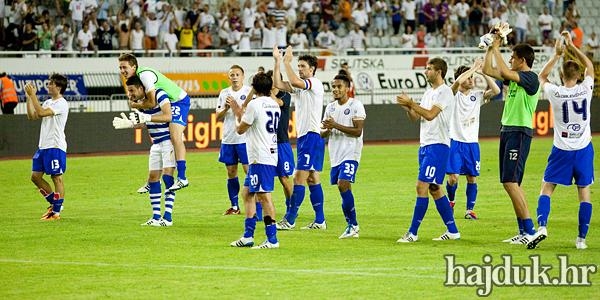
(343, 186)
(434, 188)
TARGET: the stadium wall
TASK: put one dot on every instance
(93, 132)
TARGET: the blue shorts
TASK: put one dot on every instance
(311, 152)
(564, 166)
(344, 171)
(432, 163)
(260, 178)
(463, 159)
(232, 154)
(51, 161)
(285, 160)
(180, 111)
(513, 152)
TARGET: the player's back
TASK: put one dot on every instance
(263, 115)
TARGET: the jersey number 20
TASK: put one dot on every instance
(273, 121)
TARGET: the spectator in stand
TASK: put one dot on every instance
(396, 16)
(29, 39)
(85, 40)
(268, 37)
(64, 38)
(545, 21)
(361, 18)
(248, 15)
(408, 12)
(326, 39)
(167, 21)
(430, 11)
(223, 24)
(488, 14)
(495, 20)
(345, 13)
(205, 41)
(313, 20)
(572, 14)
(522, 24)
(420, 35)
(193, 14)
(328, 14)
(280, 34)
(170, 42)
(298, 39)
(103, 12)
(443, 12)
(124, 34)
(134, 8)
(186, 38)
(307, 6)
(292, 14)
(409, 40)
(380, 10)
(256, 35)
(592, 44)
(206, 18)
(475, 19)
(358, 41)
(136, 39)
(8, 95)
(45, 39)
(151, 32)
(104, 36)
(77, 7)
(577, 34)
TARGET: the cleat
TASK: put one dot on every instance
(231, 211)
(284, 225)
(52, 216)
(267, 245)
(179, 184)
(243, 242)
(580, 243)
(47, 213)
(470, 215)
(514, 238)
(524, 240)
(538, 237)
(315, 225)
(162, 223)
(452, 203)
(448, 236)
(350, 232)
(144, 189)
(408, 238)
(151, 222)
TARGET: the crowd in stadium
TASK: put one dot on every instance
(250, 25)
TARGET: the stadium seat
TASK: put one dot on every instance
(374, 42)
(385, 41)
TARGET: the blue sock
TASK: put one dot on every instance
(233, 189)
(471, 195)
(259, 215)
(155, 195)
(418, 214)
(287, 207)
(348, 207)
(528, 226)
(295, 202)
(521, 226)
(543, 210)
(48, 197)
(181, 169)
(451, 190)
(446, 212)
(249, 226)
(169, 197)
(316, 198)
(57, 204)
(270, 229)
(585, 215)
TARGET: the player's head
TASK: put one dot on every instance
(59, 82)
(522, 57)
(262, 84)
(135, 88)
(340, 86)
(468, 83)
(307, 66)
(436, 69)
(127, 64)
(236, 77)
(570, 70)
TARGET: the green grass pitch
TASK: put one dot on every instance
(99, 250)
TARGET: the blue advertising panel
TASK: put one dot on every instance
(75, 84)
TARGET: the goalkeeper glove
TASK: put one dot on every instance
(122, 123)
(138, 117)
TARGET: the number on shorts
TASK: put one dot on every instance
(286, 165)
(307, 158)
(513, 155)
(349, 169)
(175, 110)
(430, 171)
(55, 164)
(254, 180)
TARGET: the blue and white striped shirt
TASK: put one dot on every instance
(159, 132)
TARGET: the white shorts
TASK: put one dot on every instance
(162, 156)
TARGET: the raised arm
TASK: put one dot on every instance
(277, 81)
(488, 62)
(294, 79)
(589, 66)
(36, 107)
(558, 51)
(466, 75)
(492, 90)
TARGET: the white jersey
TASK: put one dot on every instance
(263, 115)
(159, 131)
(309, 106)
(52, 131)
(230, 135)
(464, 126)
(571, 107)
(341, 145)
(437, 130)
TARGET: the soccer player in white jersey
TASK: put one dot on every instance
(308, 92)
(572, 155)
(343, 123)
(51, 156)
(464, 157)
(259, 122)
(233, 145)
(161, 160)
(434, 113)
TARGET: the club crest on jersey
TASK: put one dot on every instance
(472, 98)
(347, 111)
(331, 109)
(243, 97)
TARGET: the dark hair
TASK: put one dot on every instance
(237, 67)
(571, 70)
(310, 60)
(128, 57)
(525, 51)
(60, 81)
(439, 65)
(270, 74)
(343, 78)
(262, 84)
(134, 80)
(459, 71)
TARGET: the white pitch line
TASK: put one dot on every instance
(400, 272)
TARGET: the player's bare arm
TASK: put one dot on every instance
(277, 81)
(558, 51)
(404, 100)
(477, 64)
(294, 79)
(492, 90)
(40, 112)
(589, 66)
(488, 61)
(355, 130)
